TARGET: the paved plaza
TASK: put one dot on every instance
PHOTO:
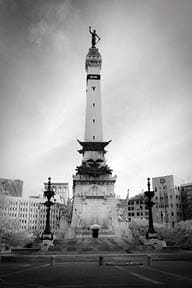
(91, 274)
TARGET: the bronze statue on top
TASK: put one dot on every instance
(95, 37)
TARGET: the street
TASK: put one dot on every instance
(91, 274)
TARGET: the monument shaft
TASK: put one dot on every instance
(94, 207)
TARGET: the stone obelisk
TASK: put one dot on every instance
(94, 206)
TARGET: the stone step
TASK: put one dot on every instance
(84, 245)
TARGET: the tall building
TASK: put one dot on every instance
(11, 187)
(168, 203)
(30, 213)
(186, 195)
(94, 207)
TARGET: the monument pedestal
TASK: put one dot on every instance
(95, 206)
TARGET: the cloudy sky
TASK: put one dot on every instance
(146, 88)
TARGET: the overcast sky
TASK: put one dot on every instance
(146, 88)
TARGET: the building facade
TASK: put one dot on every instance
(186, 197)
(30, 213)
(11, 187)
(167, 198)
(172, 202)
(136, 208)
(61, 191)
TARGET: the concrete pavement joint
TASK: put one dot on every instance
(146, 278)
(140, 276)
(24, 270)
(169, 273)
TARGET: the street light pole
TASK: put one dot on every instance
(149, 203)
(49, 193)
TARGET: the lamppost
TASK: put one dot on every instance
(149, 203)
(49, 193)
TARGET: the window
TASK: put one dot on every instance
(93, 137)
(93, 120)
(93, 104)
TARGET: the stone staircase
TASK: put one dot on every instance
(91, 245)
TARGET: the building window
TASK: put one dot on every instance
(93, 137)
(93, 120)
(93, 104)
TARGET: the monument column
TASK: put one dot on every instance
(93, 124)
(93, 185)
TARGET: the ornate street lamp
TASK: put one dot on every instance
(49, 193)
(149, 203)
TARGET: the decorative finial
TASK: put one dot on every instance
(95, 37)
(148, 184)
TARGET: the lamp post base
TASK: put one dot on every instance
(150, 235)
(47, 236)
(46, 244)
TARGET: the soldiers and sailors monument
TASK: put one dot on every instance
(95, 205)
